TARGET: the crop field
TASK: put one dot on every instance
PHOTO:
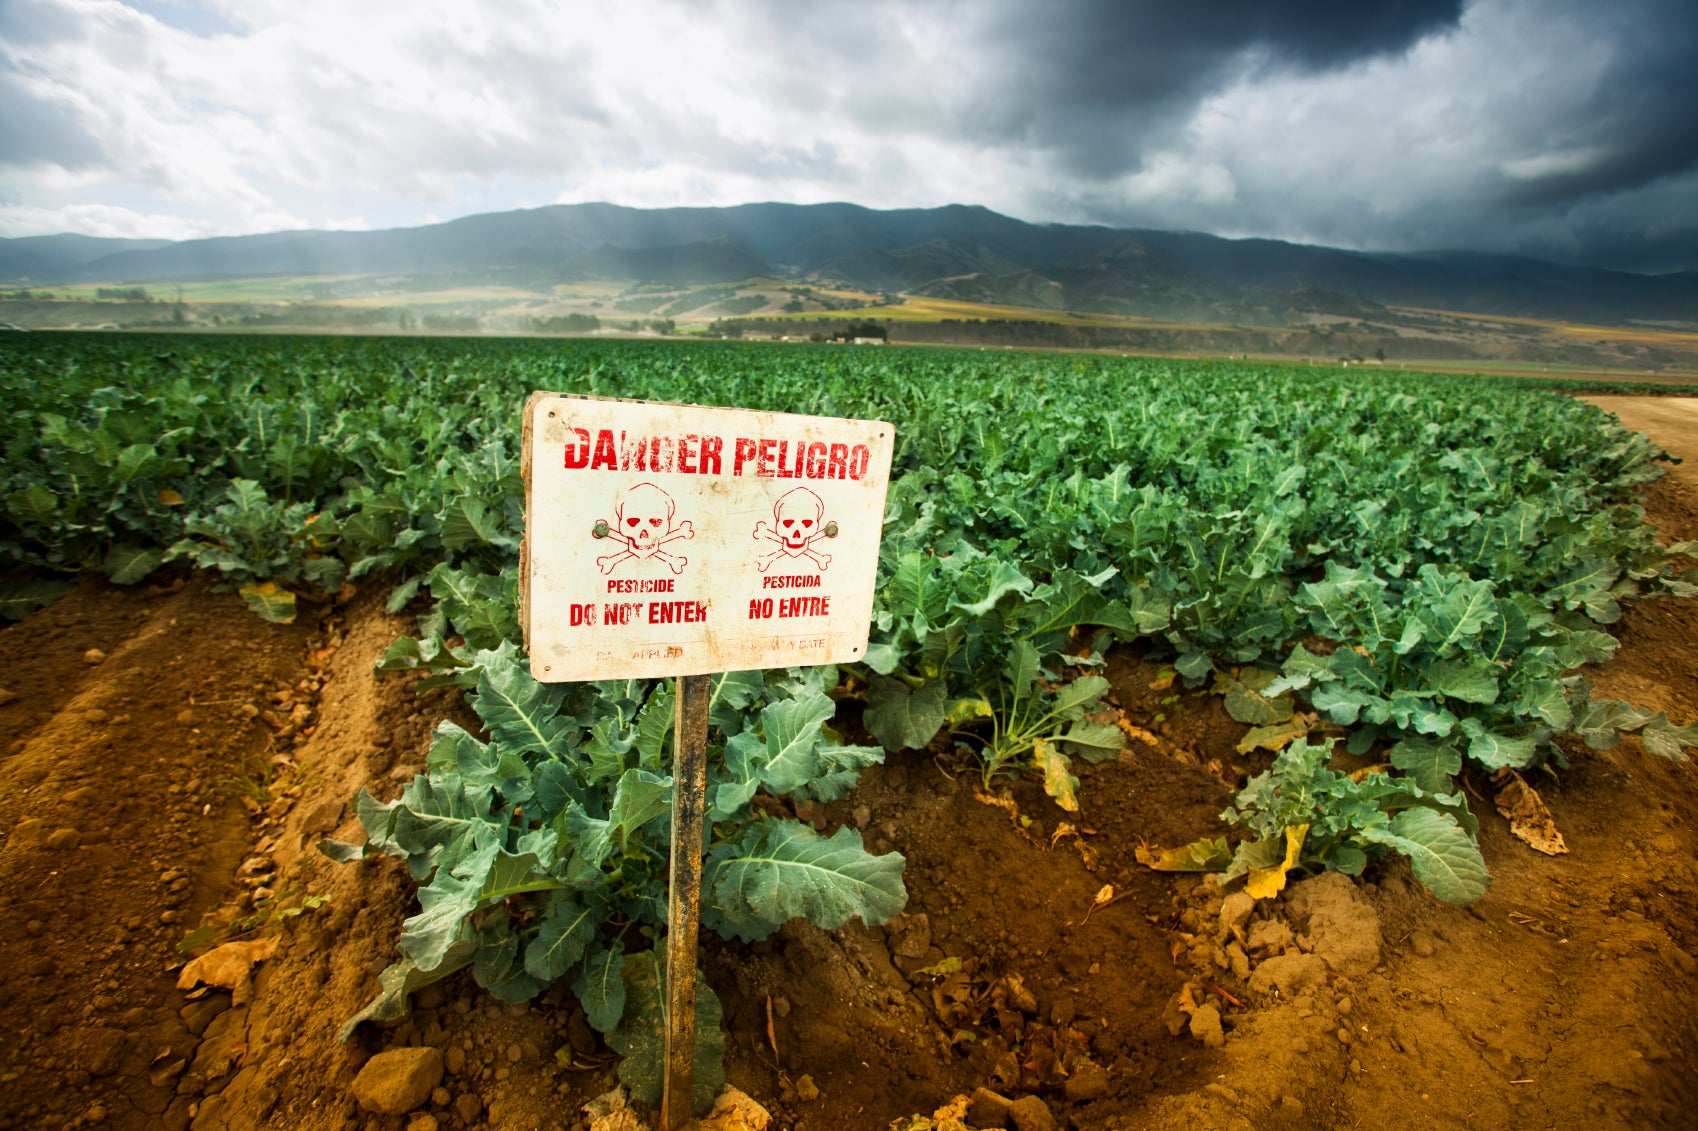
(1236, 745)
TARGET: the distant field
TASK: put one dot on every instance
(444, 297)
(924, 309)
(1439, 340)
(1637, 335)
(281, 288)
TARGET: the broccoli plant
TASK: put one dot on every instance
(542, 851)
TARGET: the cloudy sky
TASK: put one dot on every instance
(1566, 129)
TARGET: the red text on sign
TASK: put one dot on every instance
(765, 608)
(689, 454)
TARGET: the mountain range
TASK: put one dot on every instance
(958, 251)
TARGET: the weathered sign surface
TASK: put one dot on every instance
(666, 540)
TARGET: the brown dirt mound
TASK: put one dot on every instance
(183, 777)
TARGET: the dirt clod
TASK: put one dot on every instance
(1342, 925)
(1235, 911)
(103, 1050)
(1206, 1027)
(987, 1109)
(1288, 974)
(1030, 1113)
(1090, 1081)
(399, 1080)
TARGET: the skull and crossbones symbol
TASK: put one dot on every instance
(643, 521)
(795, 527)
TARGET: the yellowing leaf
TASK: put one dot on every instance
(965, 710)
(950, 965)
(1058, 783)
(170, 498)
(1274, 736)
(271, 602)
(1265, 883)
(1065, 830)
(1207, 855)
(998, 801)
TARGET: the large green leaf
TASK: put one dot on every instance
(1471, 681)
(791, 729)
(782, 870)
(1430, 763)
(568, 925)
(522, 715)
(399, 979)
(917, 592)
(1071, 599)
(1494, 751)
(1092, 741)
(640, 1038)
(18, 599)
(1442, 855)
(436, 818)
(600, 986)
(902, 718)
(33, 505)
(640, 797)
(272, 602)
(128, 564)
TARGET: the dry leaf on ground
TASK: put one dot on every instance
(1529, 819)
(229, 967)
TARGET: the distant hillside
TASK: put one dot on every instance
(960, 252)
(48, 258)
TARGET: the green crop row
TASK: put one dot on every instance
(1421, 561)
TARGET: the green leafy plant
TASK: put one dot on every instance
(1307, 816)
(257, 542)
(542, 851)
(962, 642)
(1422, 560)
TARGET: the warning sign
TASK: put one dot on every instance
(667, 540)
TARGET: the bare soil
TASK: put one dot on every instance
(186, 766)
(1671, 421)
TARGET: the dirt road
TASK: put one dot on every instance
(1670, 421)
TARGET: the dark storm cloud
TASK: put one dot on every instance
(1101, 81)
(1639, 122)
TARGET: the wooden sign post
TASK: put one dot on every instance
(684, 903)
(676, 540)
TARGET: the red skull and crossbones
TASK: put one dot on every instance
(796, 527)
(643, 521)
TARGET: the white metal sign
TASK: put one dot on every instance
(667, 540)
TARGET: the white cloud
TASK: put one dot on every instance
(115, 221)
